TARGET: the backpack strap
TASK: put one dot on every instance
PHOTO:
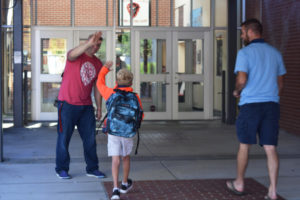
(123, 92)
(100, 125)
(138, 142)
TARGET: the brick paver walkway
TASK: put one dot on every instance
(209, 189)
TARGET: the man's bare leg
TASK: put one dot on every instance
(273, 168)
(242, 163)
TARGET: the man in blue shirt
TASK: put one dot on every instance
(259, 82)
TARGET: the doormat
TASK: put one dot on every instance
(204, 189)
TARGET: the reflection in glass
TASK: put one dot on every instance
(182, 13)
(190, 56)
(49, 91)
(153, 96)
(221, 13)
(220, 65)
(153, 56)
(7, 67)
(219, 54)
(195, 13)
(190, 96)
(123, 49)
(200, 13)
(27, 48)
(53, 55)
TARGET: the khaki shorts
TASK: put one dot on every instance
(119, 146)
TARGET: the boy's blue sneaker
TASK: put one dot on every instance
(63, 174)
(96, 173)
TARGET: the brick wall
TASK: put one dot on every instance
(281, 22)
(54, 12)
(164, 13)
(253, 9)
(26, 13)
(110, 13)
(90, 12)
(33, 12)
(153, 13)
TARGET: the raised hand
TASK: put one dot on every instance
(108, 65)
(95, 39)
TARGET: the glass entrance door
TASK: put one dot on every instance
(192, 94)
(174, 74)
(48, 64)
(49, 61)
(154, 63)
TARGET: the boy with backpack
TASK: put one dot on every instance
(124, 115)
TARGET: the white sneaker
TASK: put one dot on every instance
(115, 195)
(124, 189)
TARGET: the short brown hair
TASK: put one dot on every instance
(124, 77)
(254, 25)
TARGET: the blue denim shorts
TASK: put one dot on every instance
(260, 119)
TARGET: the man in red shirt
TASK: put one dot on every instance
(75, 106)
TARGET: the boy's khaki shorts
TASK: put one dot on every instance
(119, 146)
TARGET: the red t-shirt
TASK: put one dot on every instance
(78, 80)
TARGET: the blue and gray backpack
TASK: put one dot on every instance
(124, 114)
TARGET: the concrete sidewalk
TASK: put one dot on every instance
(168, 151)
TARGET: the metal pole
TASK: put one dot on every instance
(107, 13)
(172, 13)
(232, 50)
(157, 13)
(72, 13)
(18, 64)
(35, 13)
(1, 75)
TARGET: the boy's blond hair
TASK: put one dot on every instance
(124, 77)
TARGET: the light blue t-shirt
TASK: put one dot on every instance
(263, 64)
